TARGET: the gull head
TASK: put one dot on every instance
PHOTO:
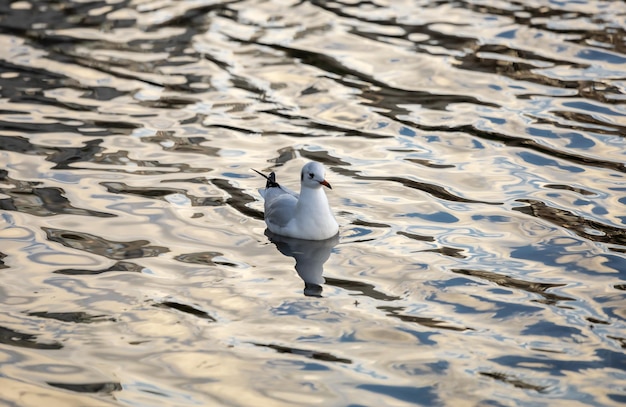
(312, 176)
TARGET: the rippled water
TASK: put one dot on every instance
(476, 151)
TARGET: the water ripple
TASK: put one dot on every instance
(476, 152)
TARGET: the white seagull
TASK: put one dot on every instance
(306, 216)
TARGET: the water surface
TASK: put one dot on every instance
(476, 151)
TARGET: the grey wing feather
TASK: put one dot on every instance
(280, 205)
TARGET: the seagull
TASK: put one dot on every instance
(306, 216)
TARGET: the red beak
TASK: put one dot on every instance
(326, 184)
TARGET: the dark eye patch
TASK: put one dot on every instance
(311, 175)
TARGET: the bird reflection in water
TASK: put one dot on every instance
(310, 257)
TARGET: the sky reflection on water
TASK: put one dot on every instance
(476, 152)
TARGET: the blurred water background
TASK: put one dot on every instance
(476, 150)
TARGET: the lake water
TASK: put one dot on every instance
(476, 151)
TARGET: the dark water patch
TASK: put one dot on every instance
(515, 61)
(525, 13)
(447, 251)
(559, 352)
(510, 282)
(322, 156)
(392, 99)
(385, 96)
(520, 384)
(44, 201)
(100, 387)
(577, 224)
(170, 102)
(194, 180)
(29, 88)
(578, 138)
(35, 92)
(138, 342)
(432, 189)
(74, 317)
(63, 157)
(102, 128)
(517, 69)
(618, 249)
(578, 190)
(538, 85)
(25, 78)
(146, 192)
(285, 154)
(598, 126)
(42, 16)
(325, 63)
(204, 258)
(238, 199)
(170, 142)
(619, 398)
(23, 340)
(521, 142)
(368, 290)
(425, 395)
(19, 144)
(428, 163)
(360, 222)
(311, 354)
(416, 236)
(117, 67)
(395, 312)
(118, 266)
(597, 321)
(28, 127)
(194, 14)
(601, 92)
(187, 309)
(103, 94)
(353, 11)
(103, 247)
(322, 129)
(237, 129)
(159, 193)
(121, 159)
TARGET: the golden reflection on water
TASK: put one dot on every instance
(476, 158)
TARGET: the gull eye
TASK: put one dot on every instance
(311, 175)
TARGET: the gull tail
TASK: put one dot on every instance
(271, 179)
